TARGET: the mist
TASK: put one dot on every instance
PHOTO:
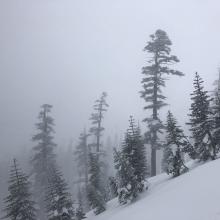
(66, 53)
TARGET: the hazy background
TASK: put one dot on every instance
(67, 52)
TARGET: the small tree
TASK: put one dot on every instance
(19, 203)
(173, 149)
(58, 199)
(96, 189)
(201, 122)
(131, 164)
(79, 210)
(153, 81)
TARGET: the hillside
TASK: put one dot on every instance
(192, 196)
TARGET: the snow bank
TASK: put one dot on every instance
(192, 196)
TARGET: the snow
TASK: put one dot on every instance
(194, 195)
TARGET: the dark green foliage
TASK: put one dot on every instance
(173, 162)
(58, 199)
(201, 122)
(44, 158)
(153, 82)
(131, 165)
(19, 203)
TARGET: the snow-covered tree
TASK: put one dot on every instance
(201, 122)
(80, 214)
(215, 106)
(96, 190)
(44, 158)
(58, 199)
(97, 195)
(173, 161)
(131, 165)
(154, 79)
(19, 204)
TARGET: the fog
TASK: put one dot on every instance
(66, 53)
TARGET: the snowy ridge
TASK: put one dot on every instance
(194, 195)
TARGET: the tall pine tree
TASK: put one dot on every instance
(173, 161)
(96, 190)
(154, 79)
(19, 203)
(201, 122)
(44, 158)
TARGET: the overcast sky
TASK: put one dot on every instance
(66, 52)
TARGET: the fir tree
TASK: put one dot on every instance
(173, 153)
(131, 164)
(201, 122)
(44, 158)
(19, 203)
(96, 191)
(97, 195)
(58, 199)
(153, 81)
(127, 184)
(79, 210)
(82, 158)
(216, 115)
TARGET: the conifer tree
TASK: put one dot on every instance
(201, 122)
(96, 191)
(19, 203)
(153, 82)
(216, 115)
(44, 158)
(58, 199)
(97, 195)
(131, 164)
(79, 210)
(82, 158)
(173, 160)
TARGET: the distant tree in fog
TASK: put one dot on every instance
(44, 158)
(96, 189)
(82, 157)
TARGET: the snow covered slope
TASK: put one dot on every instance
(192, 196)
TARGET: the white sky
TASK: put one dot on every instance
(67, 52)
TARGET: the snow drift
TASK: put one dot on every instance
(194, 195)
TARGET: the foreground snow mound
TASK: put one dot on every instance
(192, 196)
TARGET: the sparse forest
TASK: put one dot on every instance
(45, 194)
(110, 110)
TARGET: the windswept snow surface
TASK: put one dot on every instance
(194, 195)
